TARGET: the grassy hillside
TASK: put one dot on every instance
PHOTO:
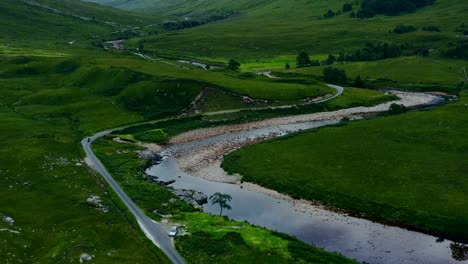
(53, 23)
(45, 183)
(185, 8)
(305, 28)
(405, 169)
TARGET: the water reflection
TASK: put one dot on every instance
(357, 238)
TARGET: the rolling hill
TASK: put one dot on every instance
(185, 8)
(52, 22)
(255, 34)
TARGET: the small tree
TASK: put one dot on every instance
(303, 59)
(329, 14)
(233, 65)
(222, 199)
(347, 7)
(330, 60)
(396, 109)
(358, 82)
(287, 66)
(334, 75)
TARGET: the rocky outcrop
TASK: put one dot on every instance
(197, 199)
(96, 202)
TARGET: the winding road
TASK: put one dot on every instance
(152, 229)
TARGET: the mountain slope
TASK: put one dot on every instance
(62, 21)
(185, 8)
(280, 27)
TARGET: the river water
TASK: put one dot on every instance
(353, 237)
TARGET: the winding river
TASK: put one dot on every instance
(356, 238)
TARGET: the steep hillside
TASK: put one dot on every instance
(32, 23)
(185, 8)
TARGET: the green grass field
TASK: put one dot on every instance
(217, 240)
(406, 169)
(45, 184)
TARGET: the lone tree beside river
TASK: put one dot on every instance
(222, 199)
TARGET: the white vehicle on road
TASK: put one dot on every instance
(173, 232)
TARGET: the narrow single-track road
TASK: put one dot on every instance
(153, 230)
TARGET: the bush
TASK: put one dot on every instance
(396, 109)
(347, 7)
(303, 59)
(329, 14)
(358, 82)
(400, 29)
(233, 65)
(330, 60)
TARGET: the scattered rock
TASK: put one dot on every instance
(8, 220)
(96, 201)
(167, 183)
(147, 154)
(86, 257)
(197, 199)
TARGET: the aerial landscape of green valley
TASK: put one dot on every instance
(220, 131)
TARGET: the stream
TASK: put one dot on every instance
(353, 237)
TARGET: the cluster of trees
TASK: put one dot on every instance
(303, 60)
(346, 8)
(189, 23)
(379, 51)
(370, 8)
(372, 51)
(335, 75)
(338, 76)
(233, 65)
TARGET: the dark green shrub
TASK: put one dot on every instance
(400, 29)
